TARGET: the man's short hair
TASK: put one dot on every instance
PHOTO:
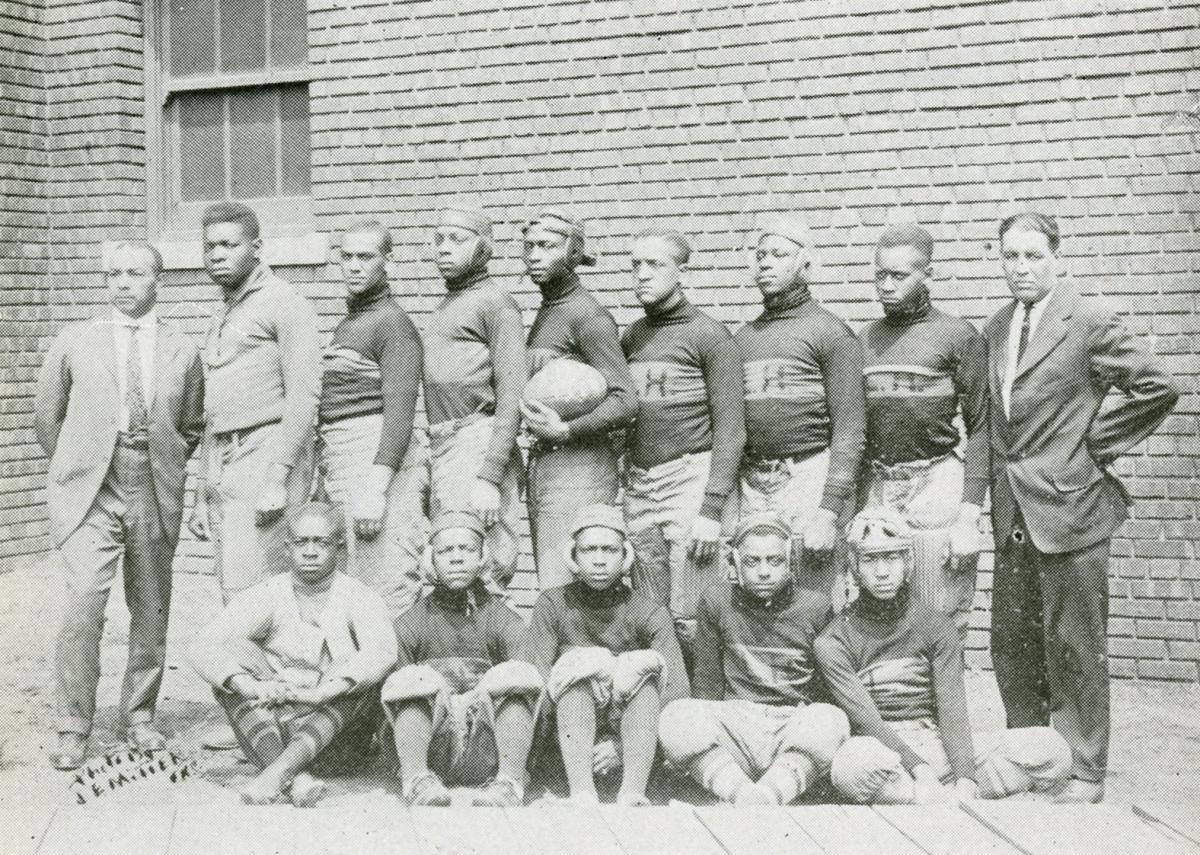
(908, 234)
(376, 228)
(332, 514)
(1034, 222)
(232, 212)
(145, 246)
(681, 249)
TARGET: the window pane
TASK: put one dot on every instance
(243, 35)
(193, 37)
(252, 142)
(289, 33)
(201, 145)
(293, 122)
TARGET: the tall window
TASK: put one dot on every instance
(234, 99)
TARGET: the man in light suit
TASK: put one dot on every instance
(119, 410)
(1053, 357)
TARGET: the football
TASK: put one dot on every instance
(569, 387)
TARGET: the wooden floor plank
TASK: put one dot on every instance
(561, 830)
(118, 829)
(659, 831)
(384, 825)
(1184, 820)
(467, 831)
(24, 826)
(1084, 829)
(840, 828)
(219, 827)
(757, 831)
(945, 830)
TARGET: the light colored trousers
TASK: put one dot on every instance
(661, 503)
(390, 562)
(456, 453)
(794, 489)
(1007, 762)
(246, 553)
(561, 481)
(122, 522)
(929, 495)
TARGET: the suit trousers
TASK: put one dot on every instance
(246, 553)
(123, 522)
(1050, 643)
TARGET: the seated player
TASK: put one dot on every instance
(610, 658)
(755, 734)
(461, 711)
(895, 665)
(291, 659)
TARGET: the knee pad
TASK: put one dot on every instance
(860, 754)
(511, 678)
(818, 731)
(412, 683)
(633, 669)
(580, 665)
(684, 729)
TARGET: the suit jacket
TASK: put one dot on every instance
(76, 410)
(1048, 456)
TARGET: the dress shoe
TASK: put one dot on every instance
(1081, 792)
(145, 738)
(70, 752)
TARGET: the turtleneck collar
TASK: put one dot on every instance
(882, 611)
(464, 601)
(793, 298)
(615, 594)
(909, 313)
(782, 599)
(366, 299)
(468, 280)
(558, 290)
(676, 311)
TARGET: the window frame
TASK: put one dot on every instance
(169, 219)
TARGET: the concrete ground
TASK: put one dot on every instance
(1155, 747)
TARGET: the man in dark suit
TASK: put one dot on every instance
(119, 410)
(1053, 357)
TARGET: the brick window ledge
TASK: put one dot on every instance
(281, 251)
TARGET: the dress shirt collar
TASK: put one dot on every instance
(146, 321)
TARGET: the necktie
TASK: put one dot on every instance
(1023, 341)
(135, 399)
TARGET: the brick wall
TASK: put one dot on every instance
(704, 113)
(23, 314)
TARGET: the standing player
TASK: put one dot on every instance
(572, 463)
(924, 369)
(686, 444)
(474, 376)
(805, 413)
(374, 460)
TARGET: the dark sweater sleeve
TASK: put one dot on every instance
(601, 347)
(400, 368)
(663, 639)
(540, 645)
(724, 377)
(971, 382)
(708, 674)
(950, 692)
(506, 340)
(408, 638)
(852, 696)
(842, 366)
(510, 635)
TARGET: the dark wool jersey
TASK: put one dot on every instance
(920, 370)
(897, 661)
(804, 392)
(759, 650)
(688, 380)
(373, 365)
(618, 618)
(460, 634)
(475, 363)
(570, 322)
